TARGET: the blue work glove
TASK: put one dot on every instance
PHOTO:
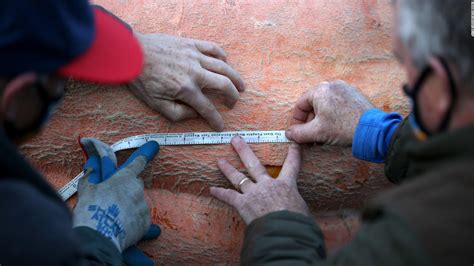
(133, 256)
(112, 201)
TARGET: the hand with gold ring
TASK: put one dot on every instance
(245, 179)
(260, 193)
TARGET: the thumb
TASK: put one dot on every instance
(303, 133)
(133, 256)
(93, 166)
(153, 232)
(140, 158)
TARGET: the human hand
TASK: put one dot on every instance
(111, 200)
(328, 114)
(261, 194)
(175, 72)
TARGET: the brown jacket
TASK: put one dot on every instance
(436, 197)
(427, 220)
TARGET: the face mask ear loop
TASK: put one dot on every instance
(452, 87)
(416, 89)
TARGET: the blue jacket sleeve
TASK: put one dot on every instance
(373, 135)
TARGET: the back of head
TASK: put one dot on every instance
(440, 28)
(41, 36)
(44, 42)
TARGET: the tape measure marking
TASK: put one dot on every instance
(175, 139)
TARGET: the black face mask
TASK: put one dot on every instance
(419, 127)
(49, 105)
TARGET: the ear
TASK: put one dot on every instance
(440, 84)
(15, 85)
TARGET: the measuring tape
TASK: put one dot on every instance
(175, 139)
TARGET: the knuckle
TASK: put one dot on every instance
(174, 114)
(220, 66)
(335, 85)
(261, 172)
(253, 165)
(203, 78)
(339, 82)
(217, 65)
(211, 45)
(174, 117)
(297, 132)
(186, 90)
(228, 85)
(340, 86)
(191, 53)
(208, 108)
(323, 87)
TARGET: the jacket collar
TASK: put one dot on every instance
(454, 145)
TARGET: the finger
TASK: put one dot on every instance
(303, 133)
(108, 161)
(140, 158)
(153, 232)
(303, 108)
(220, 67)
(93, 166)
(292, 164)
(211, 49)
(107, 167)
(175, 111)
(223, 84)
(228, 196)
(92, 146)
(205, 108)
(234, 176)
(133, 256)
(251, 162)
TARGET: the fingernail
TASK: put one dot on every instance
(288, 134)
(242, 87)
(220, 161)
(237, 139)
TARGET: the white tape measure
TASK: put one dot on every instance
(194, 138)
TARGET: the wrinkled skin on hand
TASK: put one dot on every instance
(175, 72)
(328, 114)
(261, 194)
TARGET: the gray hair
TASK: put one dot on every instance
(439, 28)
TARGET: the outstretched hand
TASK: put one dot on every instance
(328, 114)
(175, 73)
(261, 194)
